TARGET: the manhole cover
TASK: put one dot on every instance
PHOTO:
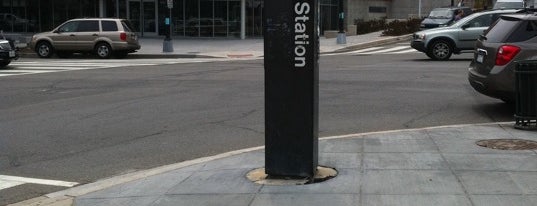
(508, 144)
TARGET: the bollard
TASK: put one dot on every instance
(167, 45)
(526, 95)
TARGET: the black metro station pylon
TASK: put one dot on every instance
(291, 52)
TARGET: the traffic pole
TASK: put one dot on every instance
(341, 36)
(167, 45)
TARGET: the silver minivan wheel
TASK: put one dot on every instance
(44, 49)
(440, 50)
(103, 50)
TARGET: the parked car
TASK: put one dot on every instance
(8, 52)
(102, 36)
(510, 39)
(440, 17)
(509, 4)
(441, 43)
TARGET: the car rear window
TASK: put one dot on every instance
(88, 26)
(525, 31)
(109, 25)
(127, 25)
(500, 30)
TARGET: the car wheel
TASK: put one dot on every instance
(4, 63)
(64, 54)
(44, 50)
(103, 50)
(440, 50)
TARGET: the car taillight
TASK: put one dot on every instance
(505, 54)
(123, 36)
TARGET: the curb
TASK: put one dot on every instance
(138, 56)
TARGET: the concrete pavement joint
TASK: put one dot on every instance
(457, 177)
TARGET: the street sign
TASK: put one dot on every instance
(170, 4)
(291, 48)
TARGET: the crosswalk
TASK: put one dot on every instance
(392, 49)
(36, 66)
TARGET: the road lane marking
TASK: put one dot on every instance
(12, 181)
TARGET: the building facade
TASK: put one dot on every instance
(197, 18)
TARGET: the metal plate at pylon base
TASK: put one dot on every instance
(322, 174)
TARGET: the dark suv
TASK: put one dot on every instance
(512, 38)
(443, 17)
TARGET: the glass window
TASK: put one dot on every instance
(88, 26)
(234, 19)
(441, 13)
(69, 27)
(192, 18)
(481, 21)
(497, 32)
(525, 31)
(127, 26)
(109, 25)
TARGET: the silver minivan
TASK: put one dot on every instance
(102, 36)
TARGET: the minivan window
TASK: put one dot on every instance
(496, 33)
(69, 27)
(126, 26)
(109, 25)
(88, 26)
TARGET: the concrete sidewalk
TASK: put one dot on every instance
(441, 166)
(237, 48)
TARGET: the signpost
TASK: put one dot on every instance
(291, 50)
(170, 4)
(167, 45)
(341, 36)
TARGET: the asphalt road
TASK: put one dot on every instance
(86, 125)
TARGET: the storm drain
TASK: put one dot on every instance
(508, 144)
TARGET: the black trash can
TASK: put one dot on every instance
(526, 95)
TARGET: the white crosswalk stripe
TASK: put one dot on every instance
(48, 66)
(387, 50)
(12, 181)
(383, 50)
